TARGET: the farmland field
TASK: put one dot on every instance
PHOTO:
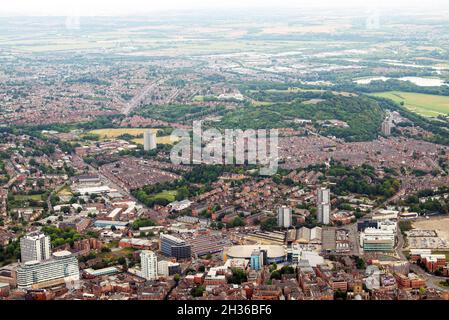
(423, 104)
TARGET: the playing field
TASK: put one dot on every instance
(426, 105)
(168, 195)
(35, 197)
(198, 98)
(117, 132)
(160, 140)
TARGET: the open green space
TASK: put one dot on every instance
(169, 195)
(23, 198)
(427, 105)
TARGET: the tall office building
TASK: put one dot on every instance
(149, 140)
(35, 247)
(284, 217)
(148, 263)
(62, 267)
(175, 247)
(323, 206)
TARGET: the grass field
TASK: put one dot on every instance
(256, 103)
(426, 105)
(168, 195)
(116, 132)
(160, 140)
(198, 98)
(65, 192)
(115, 254)
(22, 198)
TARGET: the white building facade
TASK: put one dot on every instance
(284, 217)
(323, 205)
(61, 268)
(35, 247)
(149, 266)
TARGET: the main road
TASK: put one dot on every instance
(140, 96)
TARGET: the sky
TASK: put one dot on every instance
(133, 7)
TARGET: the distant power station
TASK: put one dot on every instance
(149, 140)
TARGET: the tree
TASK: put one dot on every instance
(269, 224)
(197, 291)
(121, 260)
(140, 223)
(238, 276)
(182, 193)
(287, 270)
(237, 222)
(340, 295)
(360, 263)
(422, 291)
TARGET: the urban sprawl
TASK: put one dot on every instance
(93, 208)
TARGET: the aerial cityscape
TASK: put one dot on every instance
(235, 154)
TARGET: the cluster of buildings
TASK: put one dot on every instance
(379, 236)
(39, 268)
(393, 152)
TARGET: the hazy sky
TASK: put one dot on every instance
(126, 7)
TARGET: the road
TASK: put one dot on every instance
(136, 100)
(431, 279)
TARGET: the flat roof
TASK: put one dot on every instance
(107, 222)
(245, 251)
(63, 253)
